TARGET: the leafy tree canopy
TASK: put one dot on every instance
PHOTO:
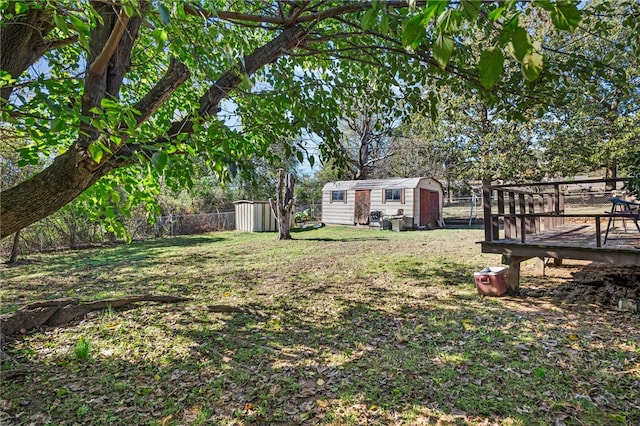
(116, 94)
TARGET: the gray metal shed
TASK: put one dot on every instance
(255, 216)
(418, 199)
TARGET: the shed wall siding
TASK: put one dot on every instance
(255, 217)
(244, 217)
(338, 212)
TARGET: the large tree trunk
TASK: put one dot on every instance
(74, 171)
(283, 205)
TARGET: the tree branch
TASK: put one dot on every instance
(55, 44)
(263, 55)
(232, 16)
(176, 74)
(99, 65)
(297, 17)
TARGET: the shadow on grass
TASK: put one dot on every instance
(438, 271)
(362, 350)
(101, 272)
(344, 239)
(366, 364)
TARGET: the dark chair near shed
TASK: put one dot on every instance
(375, 219)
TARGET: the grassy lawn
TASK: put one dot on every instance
(341, 326)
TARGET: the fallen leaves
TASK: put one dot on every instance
(369, 348)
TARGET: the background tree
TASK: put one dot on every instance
(108, 100)
(469, 141)
(284, 203)
(594, 124)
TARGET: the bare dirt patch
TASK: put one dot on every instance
(587, 284)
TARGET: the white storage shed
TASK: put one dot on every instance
(255, 216)
(351, 202)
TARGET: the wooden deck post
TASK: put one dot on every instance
(513, 275)
(500, 194)
(540, 210)
(540, 267)
(531, 223)
(513, 224)
(489, 225)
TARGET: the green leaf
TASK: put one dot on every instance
(544, 4)
(60, 23)
(108, 103)
(490, 67)
(368, 19)
(300, 156)
(449, 21)
(434, 8)
(520, 43)
(413, 31)
(129, 10)
(532, 66)
(4, 75)
(79, 24)
(442, 49)
(495, 14)
(96, 152)
(618, 418)
(566, 15)
(21, 7)
(384, 24)
(164, 14)
(6, 79)
(159, 160)
(130, 120)
(470, 9)
(57, 125)
(160, 35)
(312, 160)
(109, 212)
(103, 147)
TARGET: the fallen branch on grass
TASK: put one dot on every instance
(62, 311)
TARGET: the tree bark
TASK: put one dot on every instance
(62, 311)
(74, 171)
(282, 207)
(15, 248)
(22, 43)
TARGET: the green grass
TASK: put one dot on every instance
(343, 326)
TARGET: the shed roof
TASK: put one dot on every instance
(250, 202)
(395, 183)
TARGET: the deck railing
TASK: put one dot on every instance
(528, 209)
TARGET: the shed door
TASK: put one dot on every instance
(363, 202)
(429, 208)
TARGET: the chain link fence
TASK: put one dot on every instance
(55, 233)
(66, 232)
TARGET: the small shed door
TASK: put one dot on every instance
(362, 206)
(429, 207)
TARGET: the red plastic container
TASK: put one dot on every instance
(491, 281)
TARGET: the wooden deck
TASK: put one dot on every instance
(573, 242)
(536, 225)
